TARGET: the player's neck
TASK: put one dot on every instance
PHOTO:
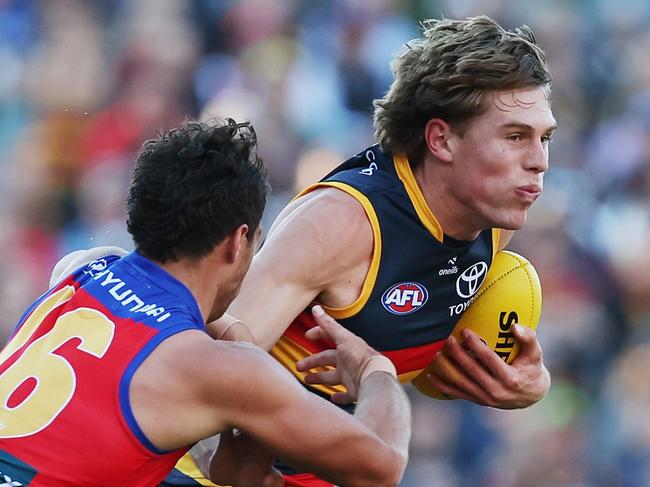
(454, 218)
(200, 278)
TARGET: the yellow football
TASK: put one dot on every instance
(511, 293)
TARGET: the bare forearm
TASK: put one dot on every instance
(385, 409)
(382, 406)
(229, 328)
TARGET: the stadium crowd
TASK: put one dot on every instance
(84, 83)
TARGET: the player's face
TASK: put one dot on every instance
(499, 162)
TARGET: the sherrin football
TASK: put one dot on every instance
(511, 293)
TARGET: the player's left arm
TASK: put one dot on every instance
(472, 371)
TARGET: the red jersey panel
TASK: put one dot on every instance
(65, 415)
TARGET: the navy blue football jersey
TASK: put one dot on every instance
(419, 281)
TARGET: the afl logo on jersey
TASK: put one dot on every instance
(404, 298)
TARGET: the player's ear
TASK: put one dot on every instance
(436, 136)
(236, 241)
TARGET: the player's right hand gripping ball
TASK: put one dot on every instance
(511, 293)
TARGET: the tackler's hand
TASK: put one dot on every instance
(242, 462)
(350, 358)
(472, 371)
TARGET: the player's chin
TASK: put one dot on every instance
(514, 220)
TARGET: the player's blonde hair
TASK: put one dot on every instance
(446, 73)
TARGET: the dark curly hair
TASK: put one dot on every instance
(192, 186)
(446, 74)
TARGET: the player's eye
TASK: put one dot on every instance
(546, 139)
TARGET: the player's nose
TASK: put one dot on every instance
(537, 159)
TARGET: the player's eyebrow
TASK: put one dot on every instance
(527, 128)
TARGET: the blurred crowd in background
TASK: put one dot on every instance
(83, 83)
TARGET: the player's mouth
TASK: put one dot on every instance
(529, 193)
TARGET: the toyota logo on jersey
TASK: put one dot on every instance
(404, 298)
(471, 279)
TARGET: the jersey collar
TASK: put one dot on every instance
(403, 169)
(163, 279)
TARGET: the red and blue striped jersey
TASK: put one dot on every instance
(65, 414)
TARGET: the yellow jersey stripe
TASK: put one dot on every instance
(187, 466)
(423, 211)
(371, 276)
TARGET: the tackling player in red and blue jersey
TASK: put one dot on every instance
(110, 377)
(67, 371)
